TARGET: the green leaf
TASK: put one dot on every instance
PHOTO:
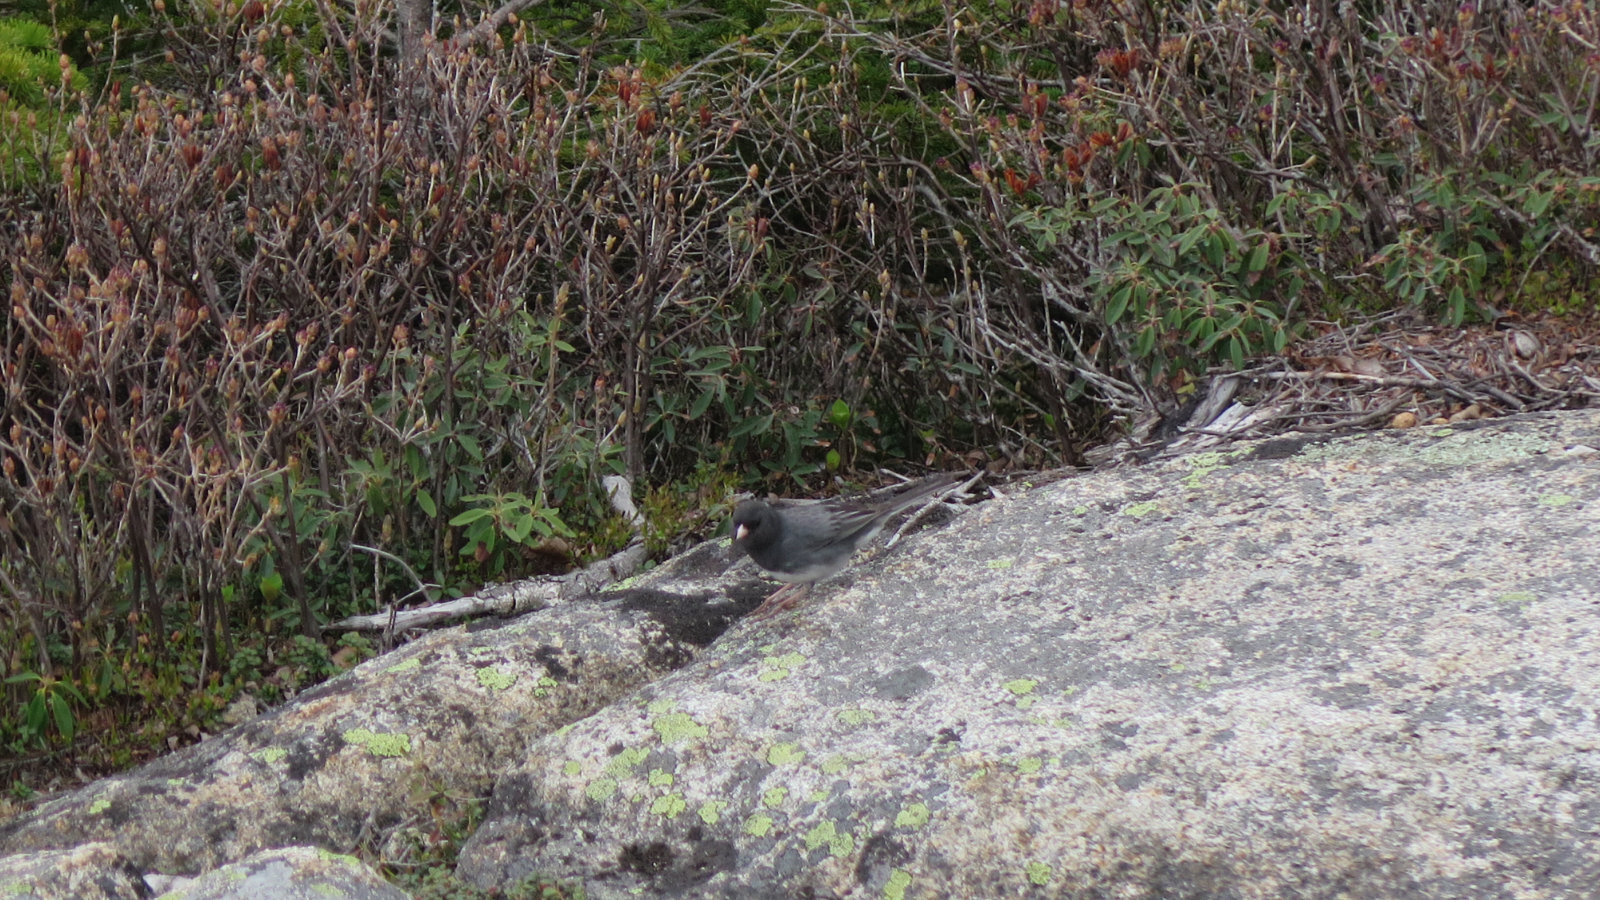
(425, 501)
(1119, 304)
(1537, 203)
(701, 403)
(839, 414)
(752, 425)
(1258, 259)
(271, 587)
(470, 444)
(34, 714)
(553, 519)
(1145, 342)
(65, 723)
(1458, 305)
(470, 516)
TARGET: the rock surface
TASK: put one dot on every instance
(94, 871)
(1364, 667)
(1358, 668)
(292, 873)
(360, 754)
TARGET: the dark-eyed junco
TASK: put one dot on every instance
(803, 543)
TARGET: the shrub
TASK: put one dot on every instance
(1180, 185)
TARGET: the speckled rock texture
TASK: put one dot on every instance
(292, 873)
(88, 872)
(351, 759)
(1363, 667)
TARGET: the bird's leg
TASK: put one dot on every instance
(777, 602)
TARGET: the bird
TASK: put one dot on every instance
(803, 543)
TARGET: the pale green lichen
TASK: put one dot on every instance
(1020, 686)
(269, 755)
(914, 816)
(1200, 465)
(1556, 501)
(601, 789)
(827, 833)
(785, 754)
(572, 768)
(412, 663)
(670, 806)
(895, 887)
(833, 765)
(1451, 449)
(678, 728)
(660, 778)
(856, 716)
(1080, 510)
(379, 743)
(1029, 764)
(999, 563)
(1519, 598)
(1140, 510)
(758, 825)
(494, 679)
(1038, 873)
(777, 668)
(99, 806)
(623, 764)
(774, 797)
(819, 795)
(543, 685)
(661, 707)
(711, 811)
(330, 856)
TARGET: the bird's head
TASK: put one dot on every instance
(754, 524)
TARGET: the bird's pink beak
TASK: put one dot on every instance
(740, 532)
